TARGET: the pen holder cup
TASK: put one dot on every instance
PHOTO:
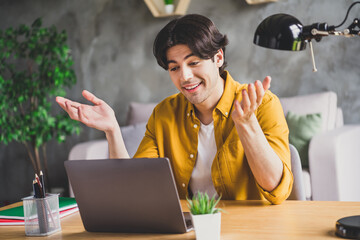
(41, 215)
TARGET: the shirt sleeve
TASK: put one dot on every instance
(272, 121)
(148, 147)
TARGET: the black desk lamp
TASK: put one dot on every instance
(285, 32)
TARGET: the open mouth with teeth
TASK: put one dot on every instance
(192, 88)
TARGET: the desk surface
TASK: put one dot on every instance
(242, 220)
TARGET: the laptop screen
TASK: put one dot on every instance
(126, 195)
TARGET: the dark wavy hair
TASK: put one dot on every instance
(196, 31)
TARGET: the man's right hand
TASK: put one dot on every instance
(100, 115)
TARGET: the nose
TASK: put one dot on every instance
(186, 73)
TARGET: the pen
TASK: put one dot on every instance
(42, 182)
(42, 206)
(41, 192)
(36, 189)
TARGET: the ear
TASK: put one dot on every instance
(219, 58)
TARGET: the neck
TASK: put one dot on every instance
(205, 109)
(204, 117)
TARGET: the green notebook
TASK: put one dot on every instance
(18, 212)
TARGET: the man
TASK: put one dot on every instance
(242, 156)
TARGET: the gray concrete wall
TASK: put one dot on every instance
(111, 42)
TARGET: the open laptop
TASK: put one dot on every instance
(127, 195)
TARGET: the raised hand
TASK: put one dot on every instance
(264, 163)
(100, 115)
(251, 100)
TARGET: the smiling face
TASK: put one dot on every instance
(197, 79)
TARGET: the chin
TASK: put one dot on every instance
(195, 100)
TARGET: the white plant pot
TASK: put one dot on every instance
(207, 226)
(169, 8)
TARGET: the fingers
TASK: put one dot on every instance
(249, 101)
(69, 106)
(82, 117)
(91, 97)
(72, 110)
(237, 112)
(61, 102)
(266, 83)
(260, 91)
(252, 97)
(64, 103)
(245, 101)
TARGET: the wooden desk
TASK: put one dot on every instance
(242, 220)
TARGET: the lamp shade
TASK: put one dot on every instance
(280, 31)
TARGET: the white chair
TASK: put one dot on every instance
(298, 190)
(333, 153)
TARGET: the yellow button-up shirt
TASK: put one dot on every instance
(172, 132)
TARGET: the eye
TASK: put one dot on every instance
(174, 68)
(193, 63)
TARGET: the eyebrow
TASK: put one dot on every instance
(186, 57)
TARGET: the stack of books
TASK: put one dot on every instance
(15, 215)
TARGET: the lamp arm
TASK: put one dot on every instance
(351, 31)
(318, 30)
(352, 28)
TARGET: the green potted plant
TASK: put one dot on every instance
(35, 66)
(205, 216)
(169, 6)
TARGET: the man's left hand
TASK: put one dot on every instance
(251, 100)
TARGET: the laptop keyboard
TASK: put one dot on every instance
(188, 221)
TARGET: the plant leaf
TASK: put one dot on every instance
(37, 23)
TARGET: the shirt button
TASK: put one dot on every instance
(188, 114)
(226, 113)
(195, 125)
(183, 185)
(191, 155)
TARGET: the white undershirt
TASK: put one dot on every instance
(201, 176)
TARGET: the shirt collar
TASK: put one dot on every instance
(190, 109)
(228, 97)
